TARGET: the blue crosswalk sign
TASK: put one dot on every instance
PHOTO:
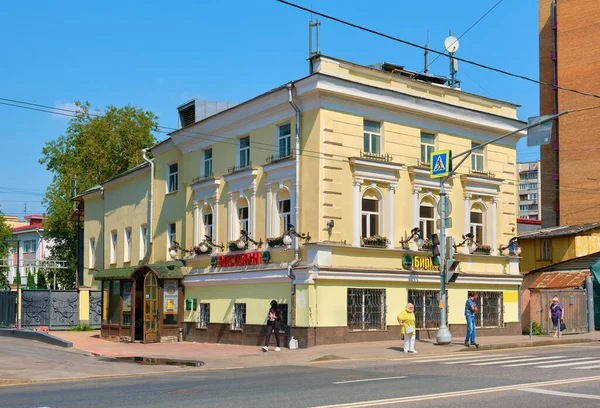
(440, 163)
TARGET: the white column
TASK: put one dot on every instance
(229, 216)
(215, 236)
(415, 207)
(467, 220)
(494, 226)
(268, 228)
(391, 204)
(356, 216)
(195, 221)
(252, 215)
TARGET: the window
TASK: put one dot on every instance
(243, 214)
(477, 157)
(546, 250)
(370, 214)
(207, 167)
(203, 315)
(366, 309)
(172, 236)
(522, 186)
(427, 312)
(490, 310)
(170, 302)
(244, 152)
(127, 248)
(427, 146)
(372, 136)
(426, 218)
(477, 224)
(92, 253)
(239, 316)
(126, 318)
(284, 140)
(284, 317)
(25, 246)
(113, 247)
(143, 240)
(115, 300)
(285, 214)
(172, 178)
(207, 221)
(30, 245)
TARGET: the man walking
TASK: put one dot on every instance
(470, 310)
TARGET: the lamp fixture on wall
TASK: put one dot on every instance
(245, 238)
(469, 241)
(415, 236)
(207, 244)
(330, 225)
(291, 232)
(175, 248)
(513, 247)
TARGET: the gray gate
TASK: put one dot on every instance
(574, 312)
(95, 308)
(59, 310)
(8, 308)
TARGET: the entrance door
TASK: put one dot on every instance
(150, 309)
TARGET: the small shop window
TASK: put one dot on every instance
(126, 304)
(203, 315)
(239, 316)
(105, 301)
(284, 317)
(115, 298)
(170, 302)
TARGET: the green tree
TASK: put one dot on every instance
(95, 147)
(5, 245)
(41, 279)
(30, 280)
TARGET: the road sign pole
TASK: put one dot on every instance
(443, 335)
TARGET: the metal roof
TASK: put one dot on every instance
(560, 280)
(576, 264)
(563, 230)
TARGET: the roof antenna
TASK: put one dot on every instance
(426, 69)
(312, 53)
(451, 45)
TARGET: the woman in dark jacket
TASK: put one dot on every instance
(273, 325)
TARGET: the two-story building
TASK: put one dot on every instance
(33, 248)
(342, 156)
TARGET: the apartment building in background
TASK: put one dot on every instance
(529, 190)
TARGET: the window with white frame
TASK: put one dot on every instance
(243, 212)
(370, 213)
(546, 251)
(372, 136)
(92, 253)
(207, 163)
(476, 157)
(284, 140)
(127, 247)
(476, 225)
(143, 240)
(172, 235)
(366, 309)
(113, 247)
(284, 211)
(427, 146)
(239, 316)
(203, 315)
(207, 221)
(172, 177)
(426, 218)
(30, 245)
(244, 152)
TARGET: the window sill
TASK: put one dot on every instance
(168, 193)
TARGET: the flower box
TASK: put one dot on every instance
(275, 242)
(232, 245)
(483, 250)
(375, 241)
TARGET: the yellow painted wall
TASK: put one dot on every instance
(84, 305)
(93, 228)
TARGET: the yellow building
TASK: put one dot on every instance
(357, 182)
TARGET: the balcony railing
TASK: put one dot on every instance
(200, 179)
(377, 157)
(274, 158)
(238, 168)
(482, 173)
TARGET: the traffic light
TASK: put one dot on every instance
(436, 258)
(452, 270)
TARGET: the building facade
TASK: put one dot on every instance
(340, 156)
(529, 190)
(569, 58)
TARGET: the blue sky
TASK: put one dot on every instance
(157, 55)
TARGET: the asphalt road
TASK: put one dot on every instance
(534, 377)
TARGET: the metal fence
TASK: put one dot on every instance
(95, 313)
(8, 308)
(574, 310)
(366, 309)
(59, 310)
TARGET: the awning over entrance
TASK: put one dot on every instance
(164, 270)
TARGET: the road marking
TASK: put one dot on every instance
(369, 379)
(586, 368)
(449, 358)
(480, 359)
(571, 364)
(538, 362)
(562, 394)
(519, 360)
(454, 394)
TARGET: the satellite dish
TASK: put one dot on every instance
(451, 44)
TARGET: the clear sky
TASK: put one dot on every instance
(158, 54)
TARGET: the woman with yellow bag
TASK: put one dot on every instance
(407, 321)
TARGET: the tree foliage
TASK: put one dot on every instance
(30, 281)
(41, 279)
(5, 244)
(95, 147)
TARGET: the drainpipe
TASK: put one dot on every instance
(296, 261)
(150, 233)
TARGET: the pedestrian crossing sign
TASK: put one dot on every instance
(440, 163)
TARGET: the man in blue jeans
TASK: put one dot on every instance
(470, 310)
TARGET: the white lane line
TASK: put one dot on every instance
(571, 364)
(447, 358)
(562, 394)
(369, 379)
(519, 360)
(540, 362)
(481, 359)
(453, 394)
(586, 368)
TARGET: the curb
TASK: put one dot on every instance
(522, 344)
(34, 335)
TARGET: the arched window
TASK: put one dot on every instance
(284, 210)
(371, 207)
(242, 213)
(427, 217)
(207, 221)
(477, 215)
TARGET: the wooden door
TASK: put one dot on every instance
(150, 309)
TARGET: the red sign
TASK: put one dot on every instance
(250, 258)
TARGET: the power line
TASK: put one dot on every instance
(378, 33)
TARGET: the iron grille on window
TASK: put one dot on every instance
(203, 315)
(490, 310)
(239, 315)
(284, 317)
(366, 309)
(427, 311)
